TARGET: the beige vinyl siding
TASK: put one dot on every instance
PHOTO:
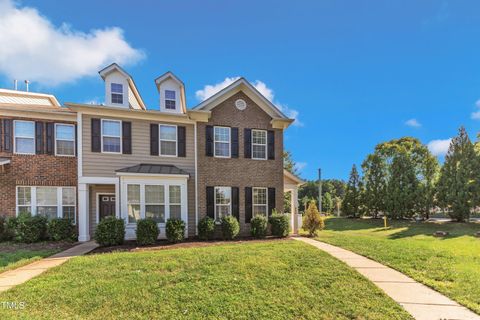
(97, 164)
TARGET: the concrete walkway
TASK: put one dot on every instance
(20, 275)
(419, 300)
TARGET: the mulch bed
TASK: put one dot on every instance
(131, 246)
(12, 247)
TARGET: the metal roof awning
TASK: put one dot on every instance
(4, 161)
(152, 169)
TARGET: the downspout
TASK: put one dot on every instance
(196, 177)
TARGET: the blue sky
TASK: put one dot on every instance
(357, 72)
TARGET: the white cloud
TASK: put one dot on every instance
(476, 114)
(413, 123)
(210, 89)
(300, 165)
(439, 147)
(33, 48)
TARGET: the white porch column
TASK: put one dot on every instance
(83, 227)
(294, 209)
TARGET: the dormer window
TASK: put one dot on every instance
(117, 93)
(170, 100)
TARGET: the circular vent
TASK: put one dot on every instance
(240, 104)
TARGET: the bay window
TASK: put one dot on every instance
(175, 202)
(24, 132)
(133, 202)
(155, 202)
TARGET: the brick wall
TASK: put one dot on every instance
(239, 172)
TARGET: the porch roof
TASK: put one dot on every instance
(146, 168)
(4, 161)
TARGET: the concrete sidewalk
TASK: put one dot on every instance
(422, 302)
(20, 275)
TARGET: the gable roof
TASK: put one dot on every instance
(290, 176)
(28, 98)
(170, 75)
(115, 67)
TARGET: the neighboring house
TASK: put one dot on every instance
(37, 156)
(223, 157)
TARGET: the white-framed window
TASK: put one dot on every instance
(260, 202)
(221, 139)
(168, 140)
(64, 139)
(155, 202)
(223, 202)
(111, 136)
(259, 144)
(24, 132)
(51, 202)
(175, 200)
(133, 202)
(116, 90)
(170, 100)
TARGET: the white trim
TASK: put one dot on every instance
(15, 138)
(135, 174)
(259, 144)
(55, 135)
(97, 204)
(196, 177)
(83, 212)
(80, 145)
(160, 140)
(3, 162)
(253, 200)
(102, 135)
(98, 180)
(229, 142)
(215, 201)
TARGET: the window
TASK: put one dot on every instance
(259, 144)
(64, 139)
(111, 136)
(24, 137)
(155, 202)
(50, 202)
(222, 142)
(175, 202)
(170, 99)
(117, 93)
(133, 202)
(168, 140)
(223, 203)
(260, 202)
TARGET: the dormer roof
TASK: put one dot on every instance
(170, 75)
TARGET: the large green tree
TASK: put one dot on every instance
(375, 184)
(352, 201)
(457, 186)
(327, 203)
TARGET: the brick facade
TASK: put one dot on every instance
(239, 172)
(33, 170)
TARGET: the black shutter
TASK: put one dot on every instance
(234, 140)
(182, 144)
(39, 137)
(247, 143)
(50, 129)
(76, 140)
(235, 203)
(271, 145)
(96, 135)
(126, 137)
(1, 135)
(271, 200)
(248, 204)
(211, 202)
(154, 139)
(209, 141)
(7, 135)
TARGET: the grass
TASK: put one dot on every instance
(450, 265)
(263, 280)
(14, 255)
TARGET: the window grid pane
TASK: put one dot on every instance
(68, 212)
(24, 196)
(170, 104)
(170, 94)
(46, 196)
(117, 87)
(133, 202)
(222, 202)
(259, 144)
(68, 196)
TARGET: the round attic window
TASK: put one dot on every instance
(240, 104)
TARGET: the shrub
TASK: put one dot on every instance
(110, 231)
(6, 231)
(206, 228)
(280, 224)
(30, 229)
(61, 229)
(312, 221)
(175, 230)
(258, 226)
(147, 231)
(230, 227)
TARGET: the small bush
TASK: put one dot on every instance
(280, 224)
(147, 231)
(258, 226)
(61, 229)
(6, 231)
(30, 229)
(230, 227)
(175, 230)
(206, 228)
(312, 221)
(110, 232)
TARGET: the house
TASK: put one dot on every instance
(37, 156)
(222, 157)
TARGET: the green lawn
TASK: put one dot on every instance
(14, 255)
(256, 280)
(451, 265)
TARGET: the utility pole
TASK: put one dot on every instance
(320, 190)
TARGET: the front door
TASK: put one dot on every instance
(106, 205)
